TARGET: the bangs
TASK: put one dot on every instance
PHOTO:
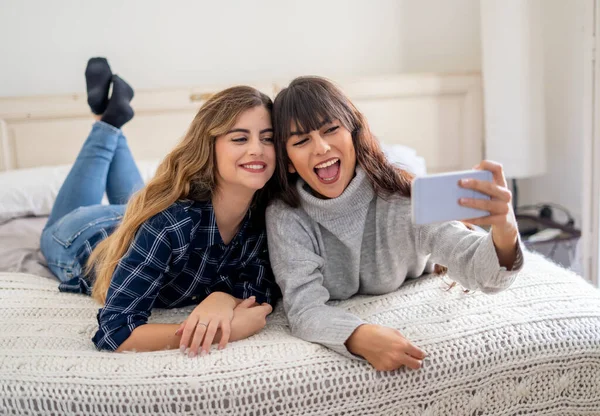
(309, 106)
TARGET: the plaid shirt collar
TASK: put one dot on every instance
(212, 230)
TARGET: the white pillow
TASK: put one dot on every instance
(405, 157)
(31, 192)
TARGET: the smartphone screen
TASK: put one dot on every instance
(435, 197)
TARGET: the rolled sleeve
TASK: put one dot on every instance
(115, 328)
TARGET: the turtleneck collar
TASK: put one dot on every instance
(356, 197)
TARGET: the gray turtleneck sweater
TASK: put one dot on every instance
(358, 243)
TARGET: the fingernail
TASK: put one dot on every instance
(182, 348)
(465, 181)
(220, 347)
(203, 353)
(462, 201)
(177, 332)
(192, 354)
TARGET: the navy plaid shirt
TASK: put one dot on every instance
(178, 258)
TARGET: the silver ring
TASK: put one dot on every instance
(202, 323)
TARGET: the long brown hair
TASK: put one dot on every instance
(308, 102)
(187, 172)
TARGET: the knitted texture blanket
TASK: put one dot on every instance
(532, 349)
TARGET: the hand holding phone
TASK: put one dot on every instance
(435, 198)
(484, 200)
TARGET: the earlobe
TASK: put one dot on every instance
(291, 168)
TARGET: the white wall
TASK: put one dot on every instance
(564, 42)
(44, 45)
(440, 35)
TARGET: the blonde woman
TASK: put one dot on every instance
(193, 235)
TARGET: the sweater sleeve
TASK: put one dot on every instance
(469, 255)
(297, 269)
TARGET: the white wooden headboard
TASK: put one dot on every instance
(441, 116)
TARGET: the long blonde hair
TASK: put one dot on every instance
(188, 172)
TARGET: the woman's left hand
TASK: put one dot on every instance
(502, 217)
(200, 328)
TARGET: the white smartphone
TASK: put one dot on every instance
(435, 197)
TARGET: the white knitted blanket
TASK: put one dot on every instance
(533, 349)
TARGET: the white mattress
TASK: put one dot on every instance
(533, 349)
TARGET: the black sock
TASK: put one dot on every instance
(119, 111)
(97, 79)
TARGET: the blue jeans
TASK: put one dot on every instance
(104, 165)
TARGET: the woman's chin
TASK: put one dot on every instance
(243, 187)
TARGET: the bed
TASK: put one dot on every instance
(532, 349)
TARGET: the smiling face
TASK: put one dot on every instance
(245, 155)
(324, 158)
(316, 137)
(321, 137)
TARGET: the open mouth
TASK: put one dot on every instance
(254, 167)
(329, 171)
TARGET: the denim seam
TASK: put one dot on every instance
(62, 265)
(69, 241)
(69, 270)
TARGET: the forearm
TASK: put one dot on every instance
(472, 257)
(506, 247)
(157, 337)
(152, 337)
(224, 299)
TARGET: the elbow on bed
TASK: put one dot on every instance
(302, 326)
(117, 338)
(499, 284)
(297, 329)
